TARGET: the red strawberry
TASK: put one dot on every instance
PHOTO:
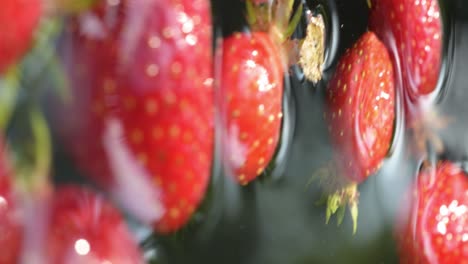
(18, 20)
(85, 228)
(360, 112)
(412, 30)
(10, 226)
(143, 110)
(361, 109)
(252, 90)
(436, 228)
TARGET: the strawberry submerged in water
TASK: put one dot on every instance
(252, 87)
(435, 229)
(360, 112)
(85, 228)
(412, 31)
(18, 21)
(10, 222)
(143, 105)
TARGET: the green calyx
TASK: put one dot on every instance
(70, 6)
(274, 17)
(339, 194)
(9, 88)
(336, 204)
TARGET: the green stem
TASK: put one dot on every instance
(9, 88)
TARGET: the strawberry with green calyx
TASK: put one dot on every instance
(360, 113)
(251, 83)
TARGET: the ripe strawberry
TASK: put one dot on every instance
(252, 90)
(143, 104)
(85, 228)
(412, 30)
(361, 109)
(360, 112)
(10, 226)
(18, 20)
(436, 228)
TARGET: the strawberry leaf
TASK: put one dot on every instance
(9, 88)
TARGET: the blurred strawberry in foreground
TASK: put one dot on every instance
(10, 224)
(85, 228)
(360, 112)
(412, 31)
(18, 21)
(435, 229)
(141, 123)
(252, 87)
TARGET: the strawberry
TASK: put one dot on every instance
(143, 104)
(435, 230)
(18, 21)
(412, 30)
(252, 90)
(85, 228)
(360, 112)
(10, 226)
(361, 108)
(251, 82)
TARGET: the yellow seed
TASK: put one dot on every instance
(271, 118)
(137, 136)
(261, 161)
(154, 42)
(151, 107)
(109, 85)
(152, 70)
(241, 177)
(176, 68)
(174, 131)
(236, 113)
(174, 212)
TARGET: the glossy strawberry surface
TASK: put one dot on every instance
(360, 108)
(435, 229)
(143, 104)
(85, 228)
(18, 21)
(252, 92)
(412, 31)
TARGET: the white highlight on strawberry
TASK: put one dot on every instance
(133, 187)
(82, 247)
(235, 150)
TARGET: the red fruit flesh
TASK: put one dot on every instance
(360, 108)
(436, 229)
(85, 228)
(10, 225)
(252, 90)
(152, 85)
(412, 30)
(18, 20)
